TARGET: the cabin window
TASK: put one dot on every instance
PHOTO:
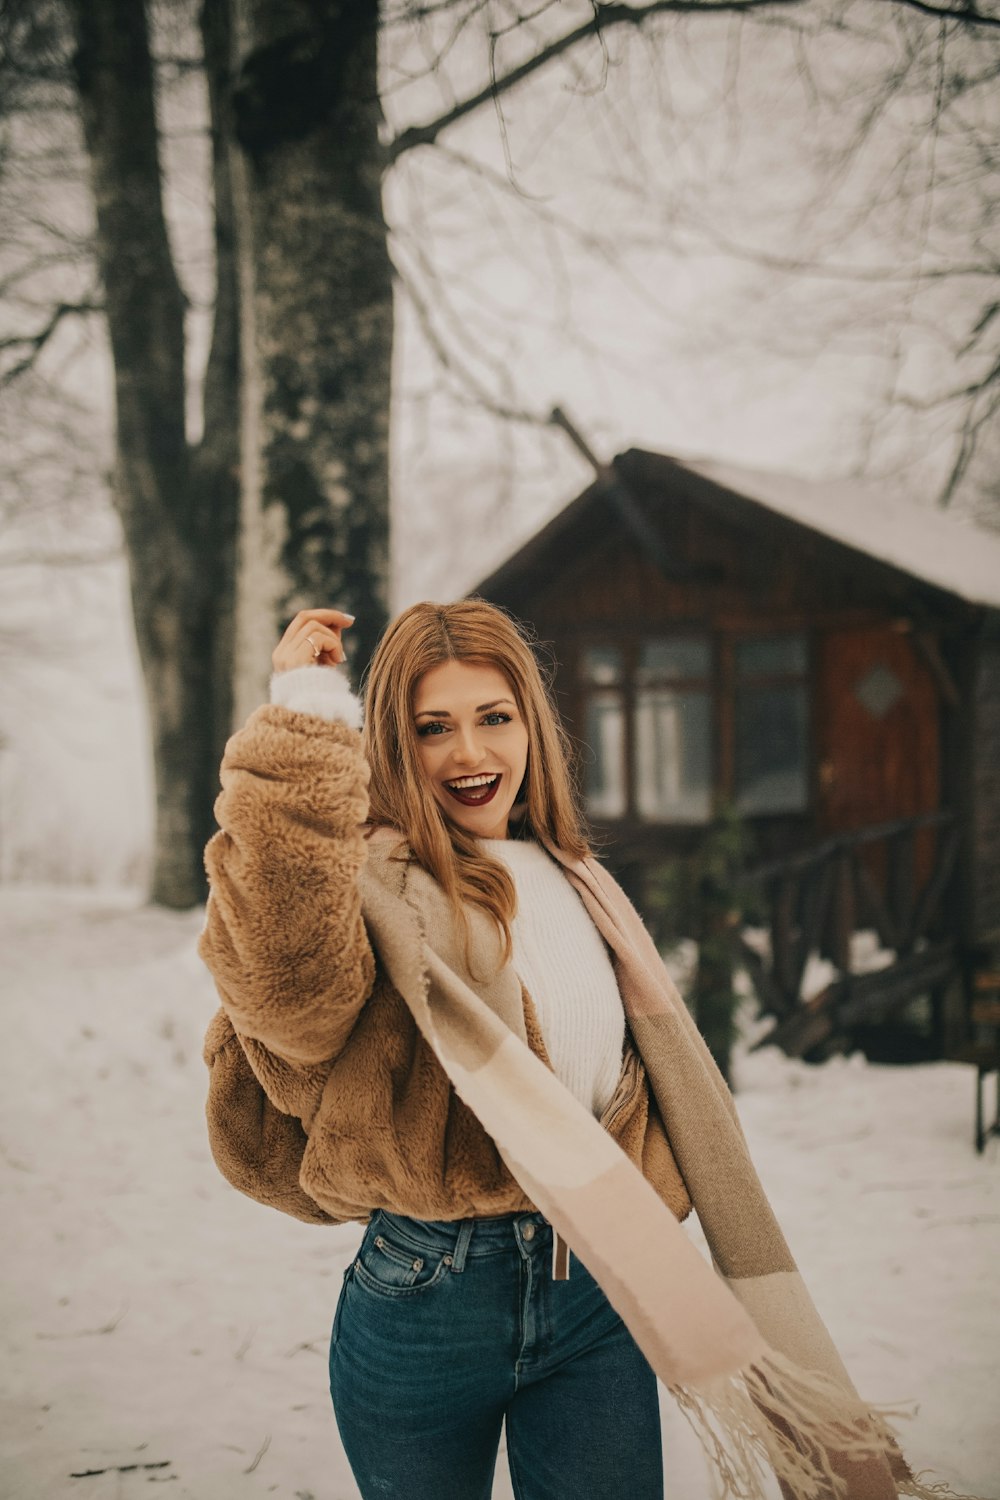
(771, 724)
(652, 718)
(604, 785)
(673, 730)
(649, 704)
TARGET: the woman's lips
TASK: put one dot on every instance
(475, 796)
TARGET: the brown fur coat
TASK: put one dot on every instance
(357, 1113)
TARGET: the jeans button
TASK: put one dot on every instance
(528, 1232)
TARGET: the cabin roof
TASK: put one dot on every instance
(934, 545)
(950, 552)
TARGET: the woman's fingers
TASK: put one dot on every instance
(333, 617)
(312, 637)
(321, 640)
(323, 616)
(318, 646)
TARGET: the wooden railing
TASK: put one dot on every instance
(892, 878)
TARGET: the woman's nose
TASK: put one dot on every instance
(468, 749)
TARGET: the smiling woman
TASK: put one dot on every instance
(454, 694)
(442, 1018)
(473, 752)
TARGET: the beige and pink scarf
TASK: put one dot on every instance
(738, 1343)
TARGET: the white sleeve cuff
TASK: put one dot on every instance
(323, 691)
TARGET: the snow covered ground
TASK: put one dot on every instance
(152, 1317)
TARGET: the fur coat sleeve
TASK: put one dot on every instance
(284, 937)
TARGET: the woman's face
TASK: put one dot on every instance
(472, 744)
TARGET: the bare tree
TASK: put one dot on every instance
(894, 250)
(902, 235)
(301, 351)
(178, 503)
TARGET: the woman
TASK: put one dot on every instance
(419, 960)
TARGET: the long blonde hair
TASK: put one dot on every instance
(425, 636)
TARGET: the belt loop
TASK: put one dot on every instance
(560, 1257)
(462, 1245)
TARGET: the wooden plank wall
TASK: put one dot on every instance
(986, 796)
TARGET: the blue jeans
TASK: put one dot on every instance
(445, 1330)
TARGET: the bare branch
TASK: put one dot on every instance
(973, 426)
(965, 13)
(985, 320)
(967, 392)
(606, 247)
(34, 343)
(457, 369)
(603, 18)
(435, 56)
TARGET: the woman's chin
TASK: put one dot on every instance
(491, 823)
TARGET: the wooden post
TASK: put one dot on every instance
(901, 880)
(844, 908)
(782, 962)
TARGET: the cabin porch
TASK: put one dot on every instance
(853, 934)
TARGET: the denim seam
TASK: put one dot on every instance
(515, 1473)
(339, 1310)
(391, 1231)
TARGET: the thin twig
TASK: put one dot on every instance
(85, 1333)
(121, 1469)
(258, 1455)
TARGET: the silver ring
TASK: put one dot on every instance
(317, 650)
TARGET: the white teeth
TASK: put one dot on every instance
(467, 781)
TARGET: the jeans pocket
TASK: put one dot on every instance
(392, 1269)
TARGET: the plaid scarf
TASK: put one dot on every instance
(741, 1347)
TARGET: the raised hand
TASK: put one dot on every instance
(312, 640)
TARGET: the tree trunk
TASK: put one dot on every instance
(217, 458)
(176, 548)
(316, 304)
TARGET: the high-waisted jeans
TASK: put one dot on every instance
(444, 1330)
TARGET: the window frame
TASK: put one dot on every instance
(721, 682)
(704, 684)
(587, 690)
(787, 678)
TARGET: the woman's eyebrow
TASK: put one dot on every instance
(444, 713)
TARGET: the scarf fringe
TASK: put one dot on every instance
(777, 1416)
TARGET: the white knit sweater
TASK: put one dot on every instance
(562, 960)
(558, 952)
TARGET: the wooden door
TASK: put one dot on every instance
(878, 738)
(879, 733)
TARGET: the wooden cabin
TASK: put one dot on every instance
(822, 660)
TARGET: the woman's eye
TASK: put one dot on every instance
(435, 727)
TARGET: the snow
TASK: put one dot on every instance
(942, 549)
(151, 1315)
